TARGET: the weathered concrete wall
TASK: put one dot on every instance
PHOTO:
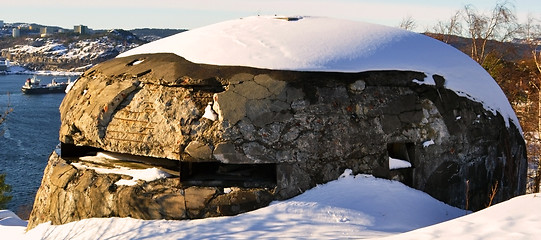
(311, 125)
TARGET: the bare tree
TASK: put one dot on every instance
(4, 114)
(449, 29)
(407, 23)
(531, 33)
(499, 25)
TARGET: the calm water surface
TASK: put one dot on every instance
(30, 134)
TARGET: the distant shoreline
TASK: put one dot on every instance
(18, 70)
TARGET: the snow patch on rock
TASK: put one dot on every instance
(147, 175)
(395, 163)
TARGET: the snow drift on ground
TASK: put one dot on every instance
(360, 207)
(326, 44)
(350, 207)
(11, 226)
(518, 218)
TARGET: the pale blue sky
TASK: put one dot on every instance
(129, 14)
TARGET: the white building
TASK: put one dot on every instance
(44, 31)
(80, 29)
(16, 32)
(4, 64)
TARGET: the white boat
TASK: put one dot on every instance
(33, 86)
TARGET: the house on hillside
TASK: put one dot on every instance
(15, 32)
(4, 64)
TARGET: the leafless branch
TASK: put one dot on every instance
(493, 192)
(500, 25)
(449, 28)
(407, 23)
(5, 113)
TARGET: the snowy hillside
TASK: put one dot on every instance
(69, 51)
(81, 50)
(360, 207)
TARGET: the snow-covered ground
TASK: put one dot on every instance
(354, 207)
(518, 218)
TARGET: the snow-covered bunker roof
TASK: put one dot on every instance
(332, 45)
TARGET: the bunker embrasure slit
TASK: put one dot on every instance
(216, 174)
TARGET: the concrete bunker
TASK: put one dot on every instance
(234, 138)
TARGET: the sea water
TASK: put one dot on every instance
(30, 134)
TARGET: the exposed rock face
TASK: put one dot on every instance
(69, 194)
(286, 131)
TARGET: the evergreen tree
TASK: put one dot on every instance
(4, 188)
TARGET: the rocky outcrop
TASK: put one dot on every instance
(68, 194)
(272, 134)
